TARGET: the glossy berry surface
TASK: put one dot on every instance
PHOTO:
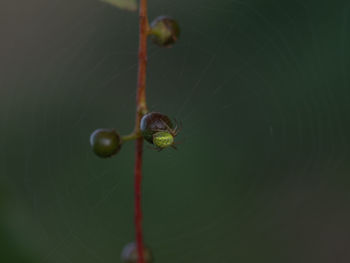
(164, 31)
(154, 122)
(105, 142)
(129, 254)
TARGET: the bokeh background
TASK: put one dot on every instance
(262, 169)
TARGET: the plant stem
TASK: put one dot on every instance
(138, 208)
(131, 136)
(141, 109)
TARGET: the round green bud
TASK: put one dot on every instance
(130, 255)
(163, 139)
(154, 122)
(164, 31)
(105, 142)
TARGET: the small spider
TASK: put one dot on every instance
(165, 138)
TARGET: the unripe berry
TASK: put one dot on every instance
(105, 142)
(130, 255)
(164, 31)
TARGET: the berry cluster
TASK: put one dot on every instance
(156, 128)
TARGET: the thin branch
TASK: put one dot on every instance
(141, 109)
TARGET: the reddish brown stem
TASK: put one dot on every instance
(141, 109)
(138, 209)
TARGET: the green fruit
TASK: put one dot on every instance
(164, 31)
(130, 255)
(105, 142)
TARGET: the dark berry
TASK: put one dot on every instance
(105, 142)
(164, 31)
(130, 255)
(154, 122)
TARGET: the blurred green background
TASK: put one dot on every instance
(262, 170)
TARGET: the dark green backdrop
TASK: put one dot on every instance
(262, 170)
